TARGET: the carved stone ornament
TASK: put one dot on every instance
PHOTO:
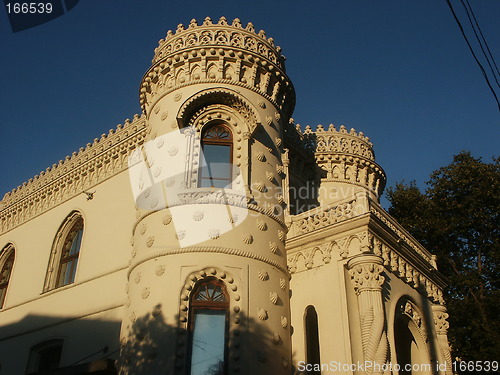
(440, 319)
(366, 273)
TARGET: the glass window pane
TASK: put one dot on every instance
(217, 167)
(75, 246)
(208, 342)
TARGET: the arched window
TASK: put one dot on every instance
(217, 147)
(45, 356)
(208, 328)
(65, 253)
(6, 263)
(312, 339)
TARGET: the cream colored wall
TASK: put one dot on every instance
(324, 289)
(96, 297)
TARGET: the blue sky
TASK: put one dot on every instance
(397, 70)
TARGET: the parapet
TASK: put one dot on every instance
(210, 34)
(218, 54)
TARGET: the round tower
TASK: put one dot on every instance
(347, 163)
(208, 285)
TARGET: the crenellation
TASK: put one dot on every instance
(61, 182)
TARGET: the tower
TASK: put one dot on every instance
(208, 286)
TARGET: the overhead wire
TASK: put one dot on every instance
(473, 53)
(488, 56)
(484, 39)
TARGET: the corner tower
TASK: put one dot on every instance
(208, 286)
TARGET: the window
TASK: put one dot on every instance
(208, 328)
(217, 147)
(6, 264)
(69, 254)
(45, 356)
(312, 338)
(65, 253)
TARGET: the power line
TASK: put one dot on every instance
(472, 51)
(488, 56)
(484, 39)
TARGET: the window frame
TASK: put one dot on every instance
(57, 259)
(196, 305)
(7, 252)
(216, 142)
(33, 366)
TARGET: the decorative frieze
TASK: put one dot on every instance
(324, 216)
(104, 158)
(218, 53)
(319, 255)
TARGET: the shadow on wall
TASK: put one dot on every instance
(154, 347)
(37, 344)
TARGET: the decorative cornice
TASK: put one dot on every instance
(218, 54)
(400, 232)
(216, 35)
(100, 160)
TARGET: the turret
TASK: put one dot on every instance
(208, 285)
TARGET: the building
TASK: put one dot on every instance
(210, 235)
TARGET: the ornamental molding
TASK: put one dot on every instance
(321, 254)
(401, 233)
(195, 110)
(409, 309)
(218, 53)
(322, 217)
(219, 34)
(367, 242)
(366, 273)
(95, 163)
(440, 319)
(149, 254)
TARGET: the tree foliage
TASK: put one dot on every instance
(457, 218)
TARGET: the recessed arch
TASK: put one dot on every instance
(224, 97)
(410, 338)
(312, 346)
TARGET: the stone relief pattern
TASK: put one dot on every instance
(409, 309)
(172, 77)
(221, 33)
(101, 159)
(329, 216)
(367, 280)
(441, 325)
(317, 256)
(197, 56)
(345, 156)
(400, 267)
(232, 288)
(338, 141)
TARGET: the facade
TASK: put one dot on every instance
(211, 235)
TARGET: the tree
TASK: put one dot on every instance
(458, 219)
